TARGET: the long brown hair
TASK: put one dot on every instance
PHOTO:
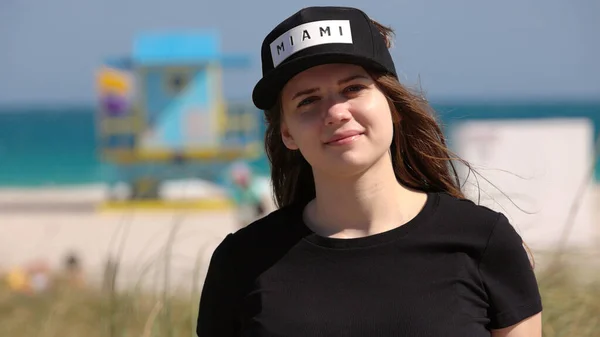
(420, 156)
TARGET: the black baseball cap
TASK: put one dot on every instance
(315, 36)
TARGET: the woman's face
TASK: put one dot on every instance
(337, 117)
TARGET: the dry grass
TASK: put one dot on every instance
(571, 309)
(70, 312)
(571, 303)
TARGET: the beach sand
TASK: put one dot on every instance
(48, 224)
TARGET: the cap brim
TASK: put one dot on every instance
(267, 90)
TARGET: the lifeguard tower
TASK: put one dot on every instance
(162, 116)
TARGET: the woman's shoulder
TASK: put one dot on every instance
(466, 210)
(466, 220)
(276, 229)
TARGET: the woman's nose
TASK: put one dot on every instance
(336, 112)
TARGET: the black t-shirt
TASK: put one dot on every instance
(456, 269)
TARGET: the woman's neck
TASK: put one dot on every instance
(366, 204)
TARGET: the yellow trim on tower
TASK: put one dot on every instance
(166, 205)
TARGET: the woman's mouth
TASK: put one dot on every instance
(344, 138)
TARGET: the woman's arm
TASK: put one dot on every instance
(529, 327)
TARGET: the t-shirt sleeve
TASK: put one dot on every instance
(508, 277)
(218, 299)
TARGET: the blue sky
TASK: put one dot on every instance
(512, 49)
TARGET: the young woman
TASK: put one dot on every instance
(373, 236)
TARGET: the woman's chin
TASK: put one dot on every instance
(348, 164)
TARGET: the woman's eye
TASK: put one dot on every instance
(354, 88)
(307, 101)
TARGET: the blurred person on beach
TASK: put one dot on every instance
(373, 235)
(246, 194)
(73, 270)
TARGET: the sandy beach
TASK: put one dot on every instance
(47, 224)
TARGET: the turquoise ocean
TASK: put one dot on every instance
(57, 146)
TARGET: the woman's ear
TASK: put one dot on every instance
(287, 138)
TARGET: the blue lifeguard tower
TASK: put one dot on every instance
(162, 115)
